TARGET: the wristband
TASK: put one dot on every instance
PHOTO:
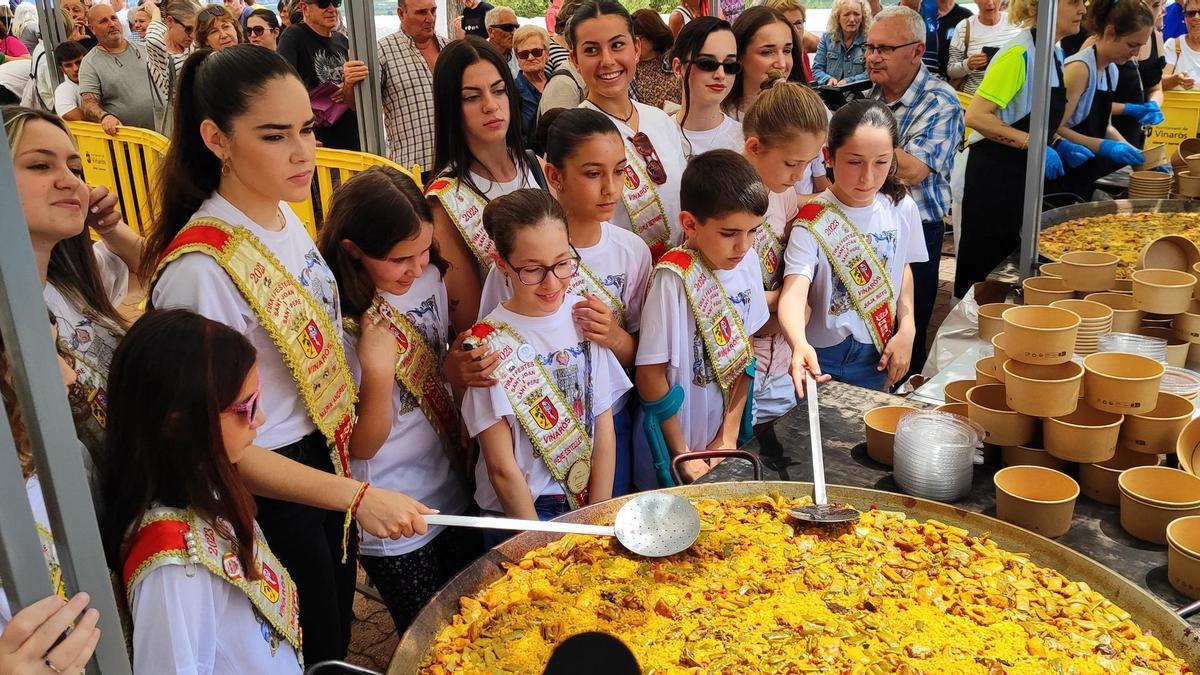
(351, 511)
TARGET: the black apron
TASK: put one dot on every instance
(1081, 181)
(1135, 80)
(994, 197)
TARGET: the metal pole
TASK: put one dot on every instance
(53, 34)
(22, 567)
(360, 24)
(1039, 112)
(24, 325)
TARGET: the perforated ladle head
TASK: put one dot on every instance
(653, 524)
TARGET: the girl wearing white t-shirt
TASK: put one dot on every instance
(378, 239)
(705, 60)
(585, 163)
(82, 281)
(205, 592)
(480, 155)
(605, 52)
(785, 130)
(575, 381)
(243, 147)
(870, 215)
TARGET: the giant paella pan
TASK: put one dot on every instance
(1122, 227)
(1096, 608)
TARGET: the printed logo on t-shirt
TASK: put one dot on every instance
(615, 283)
(427, 319)
(318, 280)
(328, 66)
(884, 244)
(574, 382)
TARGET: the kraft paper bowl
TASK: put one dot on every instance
(1157, 431)
(1018, 455)
(1036, 498)
(1183, 555)
(1045, 290)
(1089, 271)
(881, 430)
(1122, 286)
(1187, 447)
(1187, 324)
(1099, 481)
(1177, 346)
(998, 342)
(1172, 251)
(956, 391)
(1051, 269)
(1162, 291)
(1004, 426)
(954, 409)
(1196, 273)
(991, 319)
(986, 371)
(1161, 486)
(1122, 383)
(1086, 435)
(1126, 317)
(1043, 336)
(1042, 391)
(1149, 522)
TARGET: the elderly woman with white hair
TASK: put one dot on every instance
(841, 57)
(531, 44)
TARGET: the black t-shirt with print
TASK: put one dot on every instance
(472, 22)
(319, 59)
(946, 25)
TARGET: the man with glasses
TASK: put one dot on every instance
(501, 23)
(406, 60)
(930, 122)
(321, 57)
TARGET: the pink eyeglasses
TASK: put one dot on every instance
(248, 408)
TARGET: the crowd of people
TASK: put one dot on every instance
(630, 240)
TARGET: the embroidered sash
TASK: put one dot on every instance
(465, 208)
(299, 327)
(556, 432)
(585, 282)
(726, 346)
(864, 276)
(647, 215)
(769, 248)
(182, 537)
(419, 371)
(89, 399)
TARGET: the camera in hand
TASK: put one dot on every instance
(838, 96)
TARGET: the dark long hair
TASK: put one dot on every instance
(593, 9)
(745, 27)
(72, 267)
(688, 45)
(867, 113)
(648, 25)
(171, 377)
(562, 130)
(375, 209)
(1125, 16)
(217, 86)
(507, 215)
(451, 153)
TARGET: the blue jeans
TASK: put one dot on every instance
(623, 426)
(854, 363)
(547, 507)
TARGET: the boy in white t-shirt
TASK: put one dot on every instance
(695, 369)
(68, 55)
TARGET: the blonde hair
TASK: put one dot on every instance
(528, 31)
(835, 15)
(16, 422)
(783, 110)
(788, 6)
(1023, 13)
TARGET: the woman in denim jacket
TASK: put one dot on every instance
(841, 57)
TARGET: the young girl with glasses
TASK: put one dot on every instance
(605, 53)
(179, 528)
(585, 163)
(785, 130)
(545, 431)
(705, 60)
(848, 260)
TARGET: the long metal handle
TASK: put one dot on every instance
(1188, 610)
(814, 437)
(518, 524)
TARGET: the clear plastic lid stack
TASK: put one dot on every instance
(935, 454)
(1151, 347)
(1180, 381)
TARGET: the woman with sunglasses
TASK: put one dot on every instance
(705, 61)
(480, 155)
(243, 146)
(605, 52)
(168, 43)
(1183, 52)
(262, 28)
(530, 43)
(766, 42)
(203, 585)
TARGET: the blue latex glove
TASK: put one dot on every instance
(1164, 169)
(1147, 114)
(1072, 154)
(1054, 165)
(1121, 153)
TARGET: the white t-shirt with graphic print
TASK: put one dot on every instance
(895, 234)
(589, 376)
(669, 336)
(195, 281)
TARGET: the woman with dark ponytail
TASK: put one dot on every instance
(861, 329)
(227, 246)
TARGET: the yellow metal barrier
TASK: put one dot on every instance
(964, 100)
(1181, 113)
(334, 167)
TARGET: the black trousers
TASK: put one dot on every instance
(308, 541)
(925, 286)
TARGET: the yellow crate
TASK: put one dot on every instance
(1181, 113)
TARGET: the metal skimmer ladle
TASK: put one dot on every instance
(654, 524)
(821, 511)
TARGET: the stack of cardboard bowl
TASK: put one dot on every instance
(1095, 319)
(1153, 496)
(1183, 555)
(1154, 184)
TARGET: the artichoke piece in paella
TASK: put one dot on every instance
(759, 593)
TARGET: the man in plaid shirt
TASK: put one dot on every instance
(930, 121)
(406, 63)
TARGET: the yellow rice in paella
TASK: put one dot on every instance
(759, 593)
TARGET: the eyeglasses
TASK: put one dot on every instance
(654, 166)
(506, 27)
(257, 31)
(187, 30)
(1192, 13)
(887, 50)
(535, 53)
(536, 274)
(324, 4)
(709, 65)
(248, 408)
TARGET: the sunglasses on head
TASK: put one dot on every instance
(506, 27)
(247, 408)
(535, 53)
(645, 148)
(709, 65)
